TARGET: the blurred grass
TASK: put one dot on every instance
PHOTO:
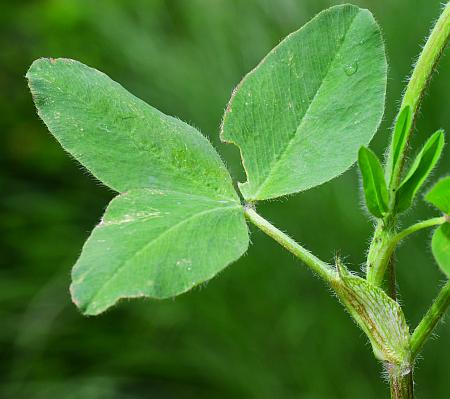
(265, 328)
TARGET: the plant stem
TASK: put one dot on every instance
(392, 286)
(324, 270)
(430, 320)
(401, 382)
(380, 253)
(384, 244)
(380, 250)
(421, 75)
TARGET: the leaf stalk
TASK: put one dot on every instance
(430, 320)
(401, 382)
(417, 227)
(324, 270)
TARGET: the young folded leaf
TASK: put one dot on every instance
(419, 171)
(402, 127)
(440, 246)
(179, 220)
(439, 195)
(300, 117)
(375, 189)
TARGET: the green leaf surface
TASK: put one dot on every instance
(378, 315)
(122, 140)
(156, 244)
(375, 189)
(440, 246)
(422, 166)
(399, 138)
(300, 117)
(179, 220)
(439, 195)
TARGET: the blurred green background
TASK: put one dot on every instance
(265, 328)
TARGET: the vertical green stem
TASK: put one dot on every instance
(383, 246)
(401, 383)
(380, 253)
(380, 248)
(427, 61)
(420, 78)
(392, 286)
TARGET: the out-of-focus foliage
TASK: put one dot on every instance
(265, 328)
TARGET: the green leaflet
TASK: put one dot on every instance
(419, 171)
(440, 246)
(379, 316)
(300, 117)
(439, 195)
(157, 244)
(375, 189)
(402, 127)
(179, 220)
(120, 139)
